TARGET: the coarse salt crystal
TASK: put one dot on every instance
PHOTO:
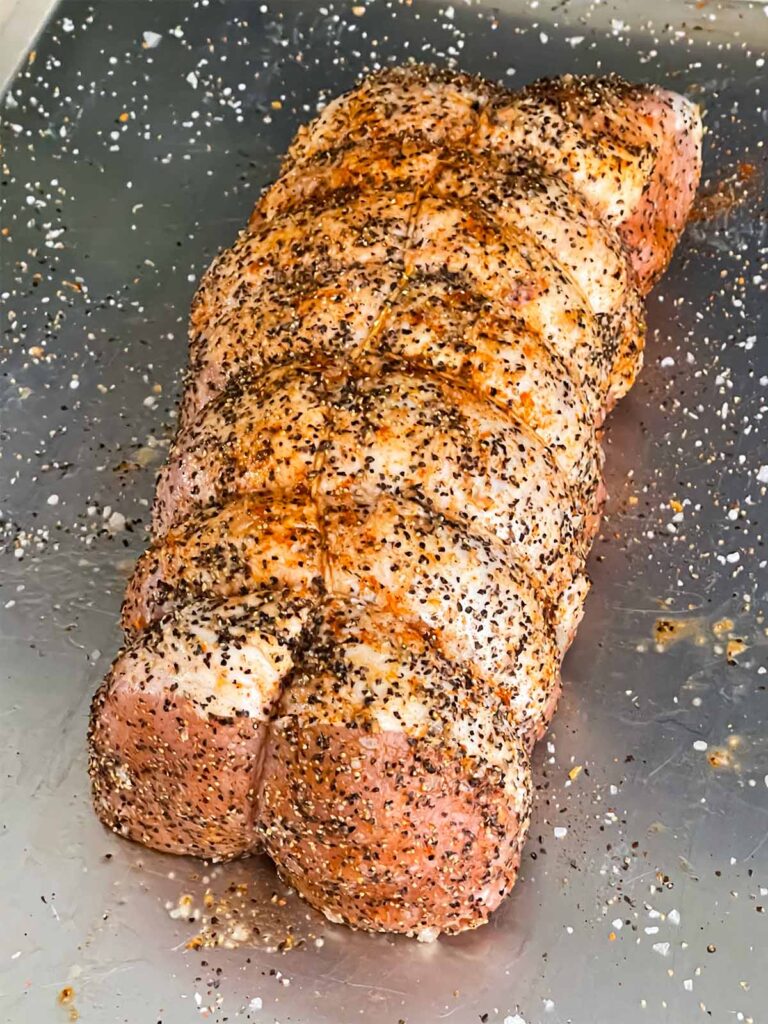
(560, 832)
(699, 745)
(116, 522)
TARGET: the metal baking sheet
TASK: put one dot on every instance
(136, 137)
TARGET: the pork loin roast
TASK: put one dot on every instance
(371, 530)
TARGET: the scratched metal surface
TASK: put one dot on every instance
(649, 908)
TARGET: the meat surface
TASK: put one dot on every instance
(369, 538)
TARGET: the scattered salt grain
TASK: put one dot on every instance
(116, 522)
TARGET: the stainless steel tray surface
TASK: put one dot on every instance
(136, 138)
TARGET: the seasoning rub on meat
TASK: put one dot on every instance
(371, 530)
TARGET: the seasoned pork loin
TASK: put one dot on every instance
(371, 531)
